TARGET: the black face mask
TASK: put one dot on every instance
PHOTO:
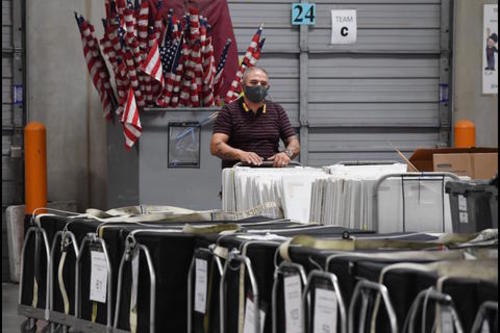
(255, 94)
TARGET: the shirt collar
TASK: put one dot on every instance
(247, 109)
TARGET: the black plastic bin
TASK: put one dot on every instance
(473, 205)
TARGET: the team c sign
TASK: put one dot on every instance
(344, 26)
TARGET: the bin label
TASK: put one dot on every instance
(446, 321)
(98, 276)
(325, 311)
(462, 203)
(135, 278)
(486, 327)
(200, 289)
(464, 217)
(249, 323)
(293, 305)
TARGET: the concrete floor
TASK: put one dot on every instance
(11, 321)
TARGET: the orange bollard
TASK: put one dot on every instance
(35, 167)
(465, 134)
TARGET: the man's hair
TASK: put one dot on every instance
(251, 70)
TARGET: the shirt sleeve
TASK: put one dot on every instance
(286, 129)
(223, 123)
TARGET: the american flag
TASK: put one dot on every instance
(220, 68)
(142, 25)
(96, 65)
(121, 33)
(130, 21)
(120, 6)
(108, 46)
(251, 56)
(132, 76)
(170, 59)
(169, 29)
(132, 128)
(194, 24)
(158, 22)
(168, 54)
(152, 65)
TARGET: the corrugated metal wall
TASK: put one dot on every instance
(352, 102)
(12, 115)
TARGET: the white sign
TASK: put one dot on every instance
(447, 321)
(486, 327)
(293, 304)
(98, 276)
(463, 217)
(135, 279)
(462, 203)
(248, 325)
(200, 286)
(344, 26)
(325, 311)
(490, 49)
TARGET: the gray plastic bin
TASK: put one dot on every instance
(473, 205)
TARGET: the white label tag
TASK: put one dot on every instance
(485, 328)
(135, 278)
(463, 217)
(200, 286)
(325, 311)
(293, 304)
(462, 203)
(344, 26)
(249, 323)
(263, 237)
(98, 276)
(446, 321)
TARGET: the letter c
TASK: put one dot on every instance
(344, 31)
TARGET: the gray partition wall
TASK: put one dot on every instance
(353, 102)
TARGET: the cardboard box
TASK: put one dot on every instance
(477, 163)
(484, 165)
(459, 164)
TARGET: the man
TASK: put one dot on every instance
(249, 129)
(490, 50)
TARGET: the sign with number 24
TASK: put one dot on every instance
(303, 13)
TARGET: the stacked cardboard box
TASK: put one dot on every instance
(477, 163)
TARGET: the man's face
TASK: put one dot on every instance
(257, 77)
(491, 42)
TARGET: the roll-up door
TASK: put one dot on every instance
(357, 101)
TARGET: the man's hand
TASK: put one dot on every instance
(250, 158)
(280, 160)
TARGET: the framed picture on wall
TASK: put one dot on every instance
(490, 49)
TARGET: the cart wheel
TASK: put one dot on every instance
(28, 326)
(346, 235)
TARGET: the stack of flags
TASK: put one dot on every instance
(156, 61)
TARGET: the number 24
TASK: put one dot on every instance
(308, 15)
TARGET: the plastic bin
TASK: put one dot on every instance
(473, 206)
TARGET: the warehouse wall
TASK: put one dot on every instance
(62, 97)
(404, 64)
(12, 116)
(469, 102)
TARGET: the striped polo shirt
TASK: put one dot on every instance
(258, 133)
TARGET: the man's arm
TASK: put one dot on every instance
(292, 150)
(293, 146)
(220, 148)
